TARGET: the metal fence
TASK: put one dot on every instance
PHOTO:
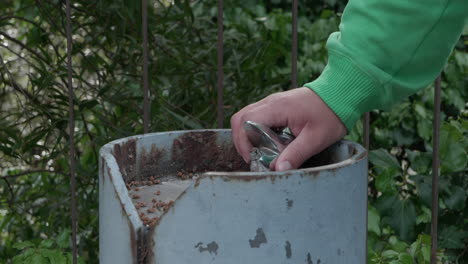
(220, 109)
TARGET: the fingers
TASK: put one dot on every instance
(303, 111)
(307, 144)
(313, 139)
(263, 112)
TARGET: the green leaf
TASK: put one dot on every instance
(423, 188)
(421, 162)
(452, 237)
(397, 244)
(426, 253)
(414, 248)
(63, 239)
(54, 256)
(425, 216)
(88, 104)
(23, 245)
(390, 254)
(456, 198)
(453, 149)
(20, 259)
(385, 181)
(373, 220)
(37, 258)
(382, 159)
(405, 258)
(399, 214)
(46, 243)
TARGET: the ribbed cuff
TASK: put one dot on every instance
(346, 88)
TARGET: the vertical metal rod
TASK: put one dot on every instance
(71, 131)
(220, 106)
(366, 142)
(366, 129)
(294, 46)
(146, 102)
(435, 170)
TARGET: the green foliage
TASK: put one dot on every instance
(46, 251)
(397, 252)
(107, 58)
(401, 175)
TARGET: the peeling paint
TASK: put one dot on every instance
(212, 247)
(259, 239)
(309, 259)
(287, 247)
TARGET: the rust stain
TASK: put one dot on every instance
(351, 150)
(246, 178)
(362, 155)
(148, 163)
(145, 242)
(149, 235)
(125, 155)
(198, 152)
(109, 174)
(102, 169)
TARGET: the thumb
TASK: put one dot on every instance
(298, 151)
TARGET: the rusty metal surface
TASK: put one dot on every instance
(435, 170)
(233, 217)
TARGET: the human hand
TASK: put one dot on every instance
(312, 122)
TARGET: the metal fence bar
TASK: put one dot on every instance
(146, 102)
(294, 46)
(366, 142)
(435, 170)
(220, 106)
(366, 129)
(71, 130)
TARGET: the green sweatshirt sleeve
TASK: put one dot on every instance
(386, 50)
